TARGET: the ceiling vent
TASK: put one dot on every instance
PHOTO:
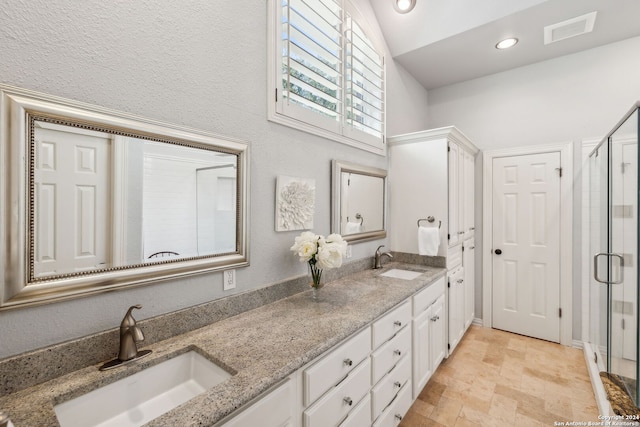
(569, 28)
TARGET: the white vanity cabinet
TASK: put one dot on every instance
(277, 408)
(428, 330)
(367, 380)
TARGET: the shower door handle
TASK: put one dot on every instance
(595, 268)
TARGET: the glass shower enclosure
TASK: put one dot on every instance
(613, 182)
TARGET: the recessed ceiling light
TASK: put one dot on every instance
(507, 43)
(403, 6)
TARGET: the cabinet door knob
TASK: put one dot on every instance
(348, 401)
(397, 352)
(397, 384)
(397, 323)
(348, 362)
(498, 251)
(434, 318)
(398, 417)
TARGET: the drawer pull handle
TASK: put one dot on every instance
(348, 401)
(460, 232)
(397, 384)
(348, 362)
(397, 323)
(397, 352)
(398, 417)
(435, 318)
(460, 280)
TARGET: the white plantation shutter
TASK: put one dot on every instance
(365, 82)
(329, 77)
(312, 60)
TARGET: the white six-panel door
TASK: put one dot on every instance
(72, 193)
(526, 245)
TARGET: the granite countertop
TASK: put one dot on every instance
(259, 348)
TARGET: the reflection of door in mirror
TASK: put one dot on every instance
(72, 199)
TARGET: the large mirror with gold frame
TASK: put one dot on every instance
(95, 199)
(358, 201)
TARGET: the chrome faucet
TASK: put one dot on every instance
(378, 257)
(130, 335)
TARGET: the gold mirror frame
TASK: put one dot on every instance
(340, 167)
(19, 108)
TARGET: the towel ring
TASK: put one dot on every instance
(360, 217)
(430, 219)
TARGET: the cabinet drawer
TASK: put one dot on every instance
(387, 326)
(333, 367)
(454, 256)
(360, 416)
(390, 353)
(387, 389)
(335, 405)
(423, 299)
(392, 416)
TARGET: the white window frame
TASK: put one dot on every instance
(309, 121)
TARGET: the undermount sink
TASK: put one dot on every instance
(143, 396)
(397, 273)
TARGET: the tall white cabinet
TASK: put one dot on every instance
(432, 174)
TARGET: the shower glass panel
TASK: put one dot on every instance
(614, 244)
(599, 292)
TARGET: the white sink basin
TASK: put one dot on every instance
(141, 397)
(397, 273)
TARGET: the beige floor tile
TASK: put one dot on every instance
(495, 378)
(446, 412)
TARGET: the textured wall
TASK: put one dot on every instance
(197, 63)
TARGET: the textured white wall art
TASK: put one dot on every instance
(295, 203)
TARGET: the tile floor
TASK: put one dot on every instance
(496, 378)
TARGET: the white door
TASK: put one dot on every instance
(526, 245)
(72, 194)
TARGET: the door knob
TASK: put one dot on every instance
(498, 251)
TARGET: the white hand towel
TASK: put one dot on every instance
(352, 228)
(428, 240)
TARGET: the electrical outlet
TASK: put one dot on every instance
(349, 254)
(229, 280)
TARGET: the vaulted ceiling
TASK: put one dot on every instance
(442, 42)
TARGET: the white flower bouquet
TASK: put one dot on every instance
(320, 252)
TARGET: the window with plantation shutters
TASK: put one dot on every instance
(327, 75)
